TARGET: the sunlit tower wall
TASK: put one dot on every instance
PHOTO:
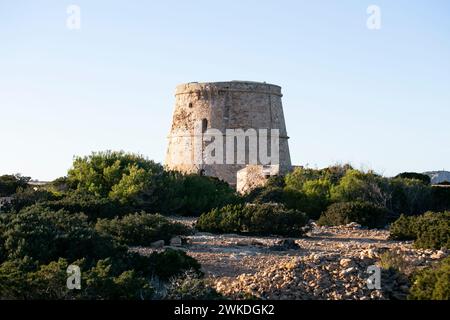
(223, 105)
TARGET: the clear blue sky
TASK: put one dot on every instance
(376, 98)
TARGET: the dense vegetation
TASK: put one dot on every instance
(261, 219)
(432, 283)
(140, 229)
(112, 200)
(37, 245)
(86, 219)
(10, 184)
(364, 213)
(190, 286)
(317, 192)
(137, 184)
(430, 230)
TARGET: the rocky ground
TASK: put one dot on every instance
(330, 263)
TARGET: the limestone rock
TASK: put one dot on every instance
(157, 244)
(345, 262)
(176, 242)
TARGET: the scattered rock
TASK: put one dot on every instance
(176, 242)
(345, 262)
(347, 271)
(438, 255)
(331, 264)
(353, 225)
(157, 244)
(285, 245)
(302, 278)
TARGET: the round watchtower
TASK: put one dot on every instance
(223, 106)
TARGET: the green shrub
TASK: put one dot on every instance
(13, 278)
(27, 197)
(200, 194)
(266, 194)
(47, 235)
(299, 176)
(395, 261)
(103, 281)
(118, 172)
(126, 179)
(364, 213)
(190, 286)
(409, 196)
(10, 184)
(138, 184)
(403, 228)
(433, 231)
(140, 229)
(440, 198)
(21, 280)
(313, 197)
(432, 283)
(92, 206)
(362, 187)
(415, 176)
(309, 190)
(170, 263)
(430, 230)
(260, 219)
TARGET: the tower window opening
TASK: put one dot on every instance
(190, 105)
(204, 125)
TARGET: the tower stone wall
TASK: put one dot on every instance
(223, 105)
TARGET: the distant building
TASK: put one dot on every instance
(438, 176)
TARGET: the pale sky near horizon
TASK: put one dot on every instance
(378, 99)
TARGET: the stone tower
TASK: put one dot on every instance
(221, 106)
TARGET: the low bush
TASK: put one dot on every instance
(48, 281)
(170, 263)
(45, 235)
(409, 196)
(27, 197)
(200, 194)
(92, 206)
(403, 228)
(364, 213)
(34, 241)
(190, 286)
(416, 176)
(312, 199)
(430, 230)
(395, 261)
(361, 186)
(259, 219)
(9, 184)
(266, 194)
(432, 283)
(132, 181)
(103, 281)
(440, 198)
(309, 190)
(140, 229)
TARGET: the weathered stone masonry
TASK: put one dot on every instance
(224, 105)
